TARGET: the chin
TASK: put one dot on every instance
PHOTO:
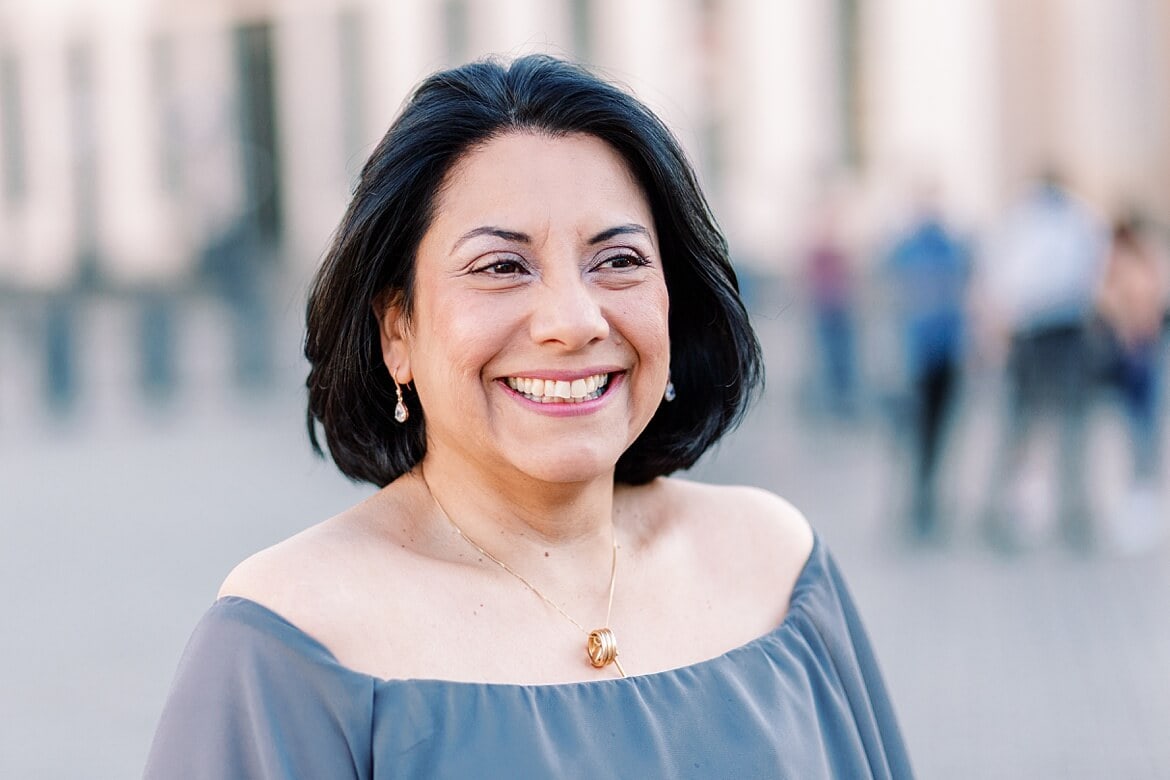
(569, 468)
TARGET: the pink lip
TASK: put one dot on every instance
(616, 379)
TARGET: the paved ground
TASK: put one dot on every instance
(116, 528)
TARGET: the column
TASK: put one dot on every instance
(777, 89)
(135, 212)
(311, 113)
(932, 108)
(44, 231)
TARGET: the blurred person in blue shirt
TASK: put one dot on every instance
(930, 268)
(1133, 302)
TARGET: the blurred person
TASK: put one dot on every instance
(1133, 303)
(830, 282)
(157, 344)
(929, 266)
(61, 375)
(238, 264)
(1043, 272)
(527, 319)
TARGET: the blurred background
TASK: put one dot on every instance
(950, 223)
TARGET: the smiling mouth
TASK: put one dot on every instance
(559, 391)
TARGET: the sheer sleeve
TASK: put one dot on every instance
(856, 714)
(254, 697)
(884, 735)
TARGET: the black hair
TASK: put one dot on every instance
(715, 360)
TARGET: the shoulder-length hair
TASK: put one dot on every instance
(715, 360)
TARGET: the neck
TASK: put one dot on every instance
(518, 523)
(519, 515)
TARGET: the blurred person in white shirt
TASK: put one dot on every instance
(1042, 273)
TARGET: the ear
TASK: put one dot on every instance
(394, 331)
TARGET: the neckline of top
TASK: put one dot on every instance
(800, 590)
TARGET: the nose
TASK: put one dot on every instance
(566, 312)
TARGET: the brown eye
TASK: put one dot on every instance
(502, 266)
(623, 262)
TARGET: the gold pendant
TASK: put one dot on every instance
(602, 649)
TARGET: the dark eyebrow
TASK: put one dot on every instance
(524, 238)
(619, 230)
(487, 230)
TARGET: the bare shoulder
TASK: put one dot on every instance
(284, 573)
(740, 514)
(316, 579)
(747, 533)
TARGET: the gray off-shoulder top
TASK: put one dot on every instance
(255, 697)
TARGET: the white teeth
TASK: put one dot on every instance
(547, 391)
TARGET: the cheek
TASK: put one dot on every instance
(645, 326)
(462, 337)
(649, 326)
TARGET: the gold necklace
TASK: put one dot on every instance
(601, 645)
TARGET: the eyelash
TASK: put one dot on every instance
(636, 260)
(492, 268)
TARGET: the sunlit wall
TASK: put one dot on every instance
(134, 133)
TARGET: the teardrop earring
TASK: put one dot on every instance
(401, 413)
(669, 395)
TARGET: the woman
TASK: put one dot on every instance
(527, 318)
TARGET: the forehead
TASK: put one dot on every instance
(526, 175)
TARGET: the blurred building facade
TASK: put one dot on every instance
(142, 139)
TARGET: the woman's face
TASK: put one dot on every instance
(538, 344)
